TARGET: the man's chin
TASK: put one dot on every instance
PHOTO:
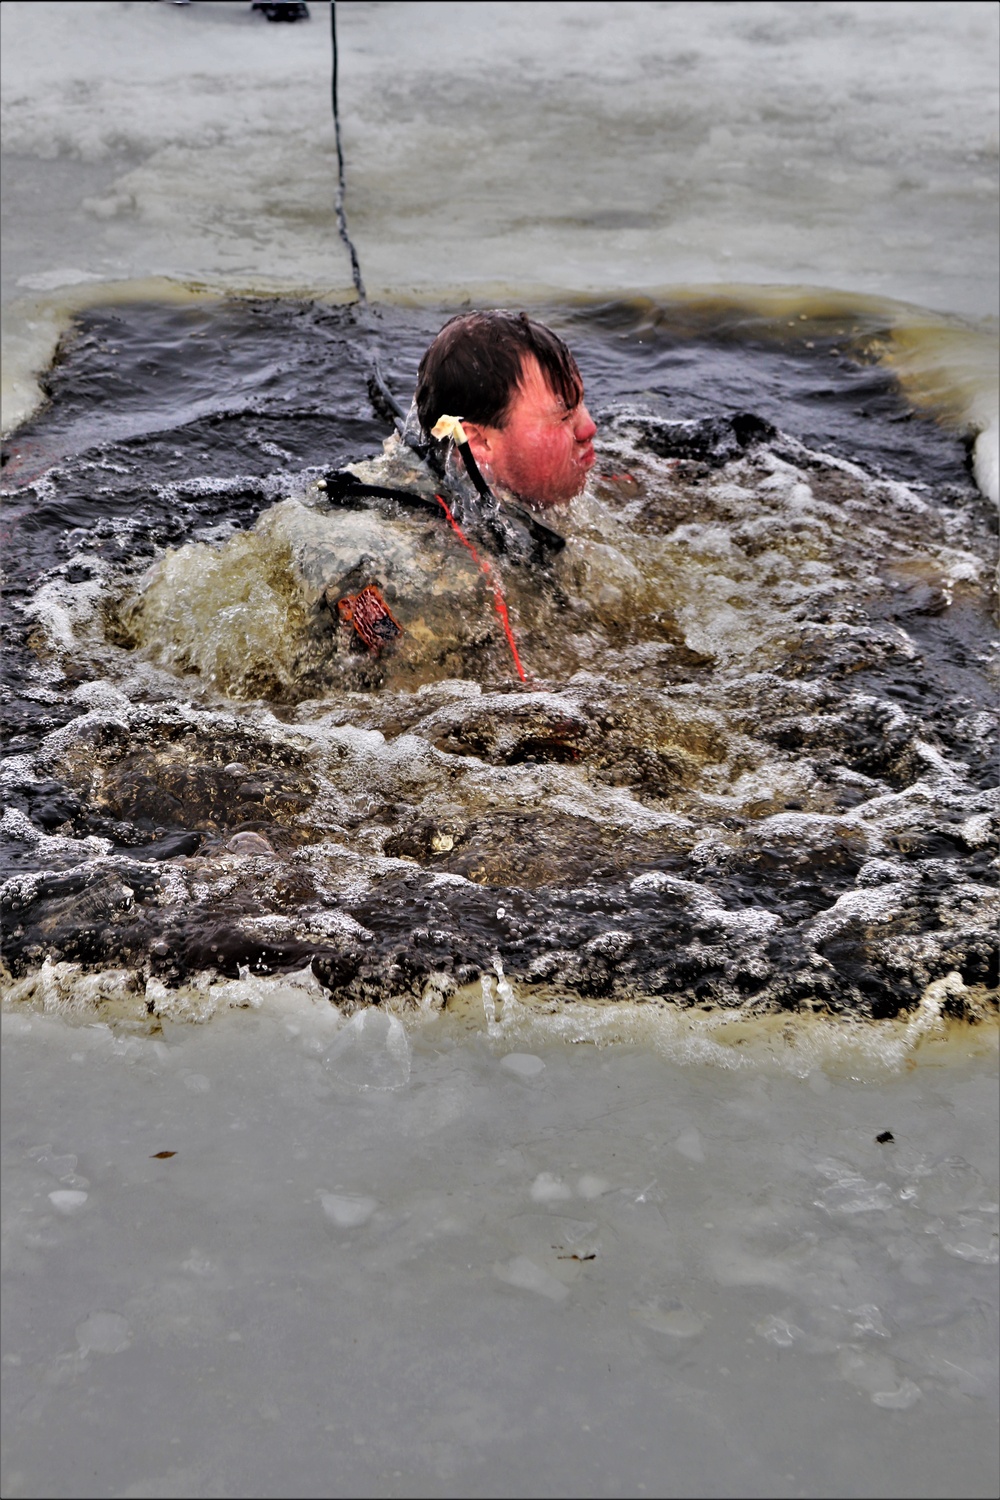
(556, 501)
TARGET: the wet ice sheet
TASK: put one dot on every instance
(505, 1266)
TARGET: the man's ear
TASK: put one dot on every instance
(480, 442)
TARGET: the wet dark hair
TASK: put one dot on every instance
(473, 368)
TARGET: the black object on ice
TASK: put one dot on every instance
(282, 12)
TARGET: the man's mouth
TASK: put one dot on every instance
(586, 458)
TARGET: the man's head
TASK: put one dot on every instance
(518, 392)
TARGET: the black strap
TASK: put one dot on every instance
(345, 489)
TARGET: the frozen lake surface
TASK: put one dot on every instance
(445, 1262)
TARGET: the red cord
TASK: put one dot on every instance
(499, 602)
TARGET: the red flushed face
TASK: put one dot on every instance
(544, 451)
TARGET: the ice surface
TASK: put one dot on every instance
(522, 1064)
(525, 1274)
(103, 1333)
(881, 111)
(371, 1052)
(689, 1144)
(347, 1210)
(334, 1289)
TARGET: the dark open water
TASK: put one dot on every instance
(756, 767)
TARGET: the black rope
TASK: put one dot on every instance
(359, 285)
(385, 403)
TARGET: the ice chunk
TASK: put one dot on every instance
(778, 1331)
(371, 1052)
(523, 1064)
(103, 1333)
(198, 1264)
(549, 1189)
(525, 1274)
(868, 1319)
(877, 1375)
(348, 1210)
(688, 1143)
(68, 1200)
(63, 1168)
(856, 1195)
(668, 1315)
(899, 1400)
(947, 1187)
(561, 1246)
(972, 1239)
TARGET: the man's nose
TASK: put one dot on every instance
(584, 427)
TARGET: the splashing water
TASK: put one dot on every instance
(752, 772)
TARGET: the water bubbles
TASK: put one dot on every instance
(979, 831)
(101, 696)
(250, 846)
